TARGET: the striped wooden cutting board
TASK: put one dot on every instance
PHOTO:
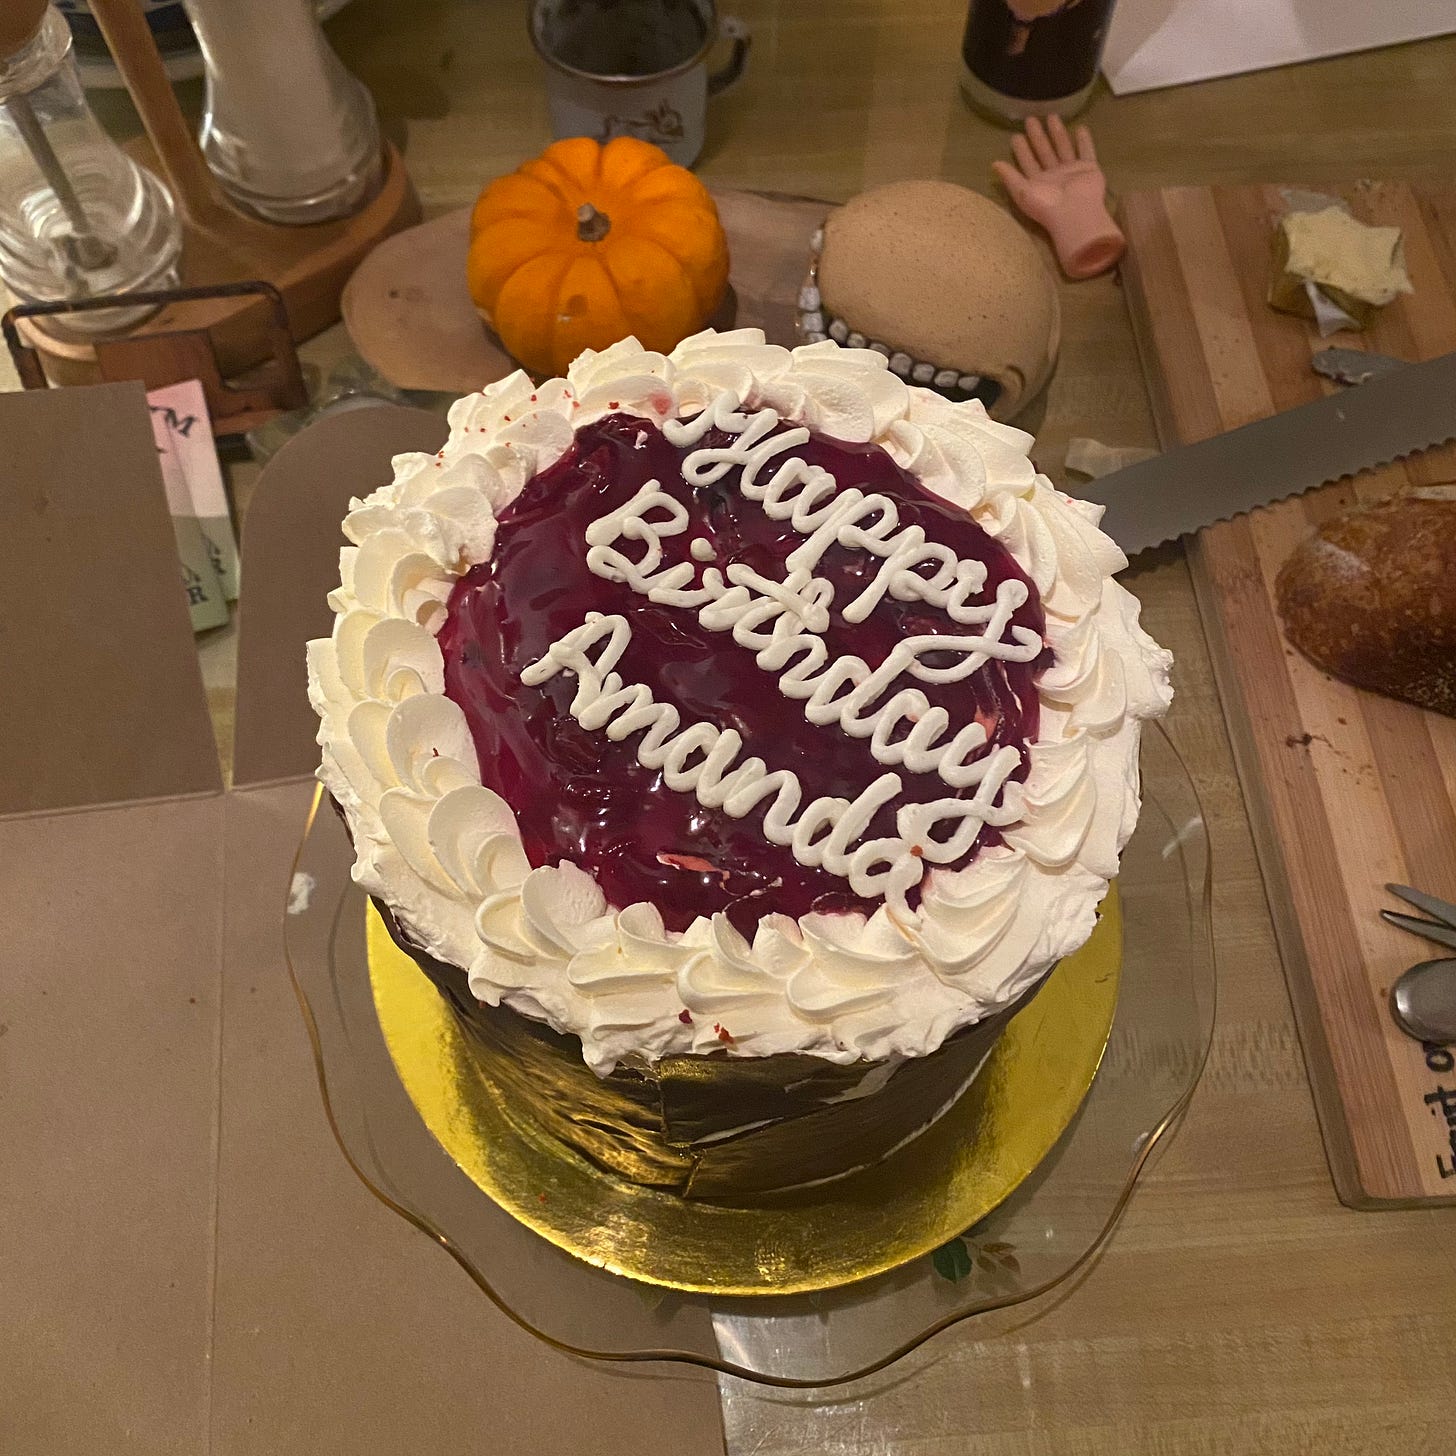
(1346, 790)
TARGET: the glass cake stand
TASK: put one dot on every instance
(1036, 1237)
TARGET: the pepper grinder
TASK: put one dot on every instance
(289, 133)
(78, 217)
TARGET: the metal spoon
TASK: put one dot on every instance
(1423, 1001)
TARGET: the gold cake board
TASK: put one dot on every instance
(867, 1223)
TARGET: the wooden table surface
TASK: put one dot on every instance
(1239, 1307)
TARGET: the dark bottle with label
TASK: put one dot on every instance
(1032, 57)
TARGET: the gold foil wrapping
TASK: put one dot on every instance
(720, 1126)
(615, 1122)
(494, 1115)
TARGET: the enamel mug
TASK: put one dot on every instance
(635, 68)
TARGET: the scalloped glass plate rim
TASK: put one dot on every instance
(1200, 887)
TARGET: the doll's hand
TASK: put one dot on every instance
(1059, 185)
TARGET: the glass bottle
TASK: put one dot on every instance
(1032, 57)
(78, 217)
(289, 133)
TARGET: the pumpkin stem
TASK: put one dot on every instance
(591, 226)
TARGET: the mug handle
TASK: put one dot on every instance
(731, 28)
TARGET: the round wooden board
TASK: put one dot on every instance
(409, 314)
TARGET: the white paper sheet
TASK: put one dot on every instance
(196, 555)
(184, 439)
(1156, 43)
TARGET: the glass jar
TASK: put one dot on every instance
(78, 217)
(1032, 57)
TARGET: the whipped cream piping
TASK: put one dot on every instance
(444, 851)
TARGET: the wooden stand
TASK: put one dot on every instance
(308, 265)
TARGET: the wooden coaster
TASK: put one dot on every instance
(410, 315)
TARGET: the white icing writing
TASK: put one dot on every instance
(795, 492)
(782, 623)
(700, 759)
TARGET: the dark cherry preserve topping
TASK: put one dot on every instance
(580, 797)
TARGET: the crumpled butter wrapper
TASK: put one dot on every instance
(1094, 459)
(1331, 267)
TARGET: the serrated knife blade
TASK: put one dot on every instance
(1193, 486)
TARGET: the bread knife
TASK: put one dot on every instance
(1396, 414)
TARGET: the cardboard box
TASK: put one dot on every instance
(186, 1262)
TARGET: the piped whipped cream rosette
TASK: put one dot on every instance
(739, 700)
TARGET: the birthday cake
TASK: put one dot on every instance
(737, 737)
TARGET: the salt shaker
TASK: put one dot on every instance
(78, 217)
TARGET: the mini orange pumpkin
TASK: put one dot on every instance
(586, 244)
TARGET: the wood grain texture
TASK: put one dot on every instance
(1346, 790)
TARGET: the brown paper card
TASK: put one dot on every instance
(103, 699)
(108, 1074)
(291, 543)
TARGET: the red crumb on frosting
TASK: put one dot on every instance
(723, 1033)
(685, 1016)
(693, 862)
